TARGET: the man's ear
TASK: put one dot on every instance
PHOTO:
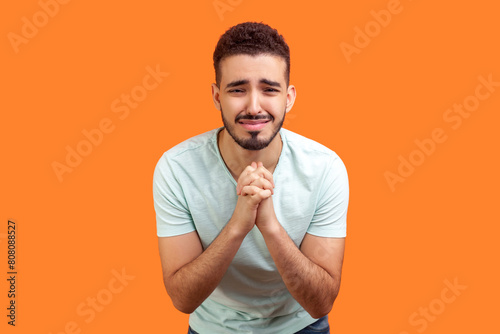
(291, 94)
(216, 96)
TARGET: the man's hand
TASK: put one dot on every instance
(255, 174)
(255, 185)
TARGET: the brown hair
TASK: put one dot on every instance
(251, 38)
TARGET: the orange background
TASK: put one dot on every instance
(439, 224)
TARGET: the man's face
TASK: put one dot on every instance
(253, 98)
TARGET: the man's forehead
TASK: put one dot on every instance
(243, 67)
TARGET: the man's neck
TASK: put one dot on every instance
(237, 158)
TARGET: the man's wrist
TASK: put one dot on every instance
(235, 230)
(271, 230)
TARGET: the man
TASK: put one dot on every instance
(251, 218)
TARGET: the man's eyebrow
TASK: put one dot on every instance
(237, 83)
(245, 81)
(270, 83)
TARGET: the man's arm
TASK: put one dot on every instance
(190, 274)
(311, 273)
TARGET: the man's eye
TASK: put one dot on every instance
(235, 91)
(271, 90)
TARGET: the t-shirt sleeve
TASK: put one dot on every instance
(172, 213)
(330, 217)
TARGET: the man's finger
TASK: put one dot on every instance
(263, 194)
(263, 172)
(250, 190)
(251, 173)
(263, 183)
(246, 180)
(246, 172)
(256, 194)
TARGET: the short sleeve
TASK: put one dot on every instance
(172, 213)
(330, 216)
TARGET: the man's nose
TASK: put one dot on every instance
(253, 104)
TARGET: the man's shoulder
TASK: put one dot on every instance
(193, 144)
(200, 150)
(301, 144)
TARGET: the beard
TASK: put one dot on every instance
(253, 143)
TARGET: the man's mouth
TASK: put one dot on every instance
(253, 124)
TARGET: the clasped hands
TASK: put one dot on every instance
(255, 205)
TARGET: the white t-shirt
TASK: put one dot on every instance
(194, 191)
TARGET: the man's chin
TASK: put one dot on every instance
(254, 143)
(254, 146)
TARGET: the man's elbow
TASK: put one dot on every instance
(179, 301)
(184, 308)
(320, 313)
(181, 304)
(322, 309)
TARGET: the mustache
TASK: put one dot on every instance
(252, 117)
